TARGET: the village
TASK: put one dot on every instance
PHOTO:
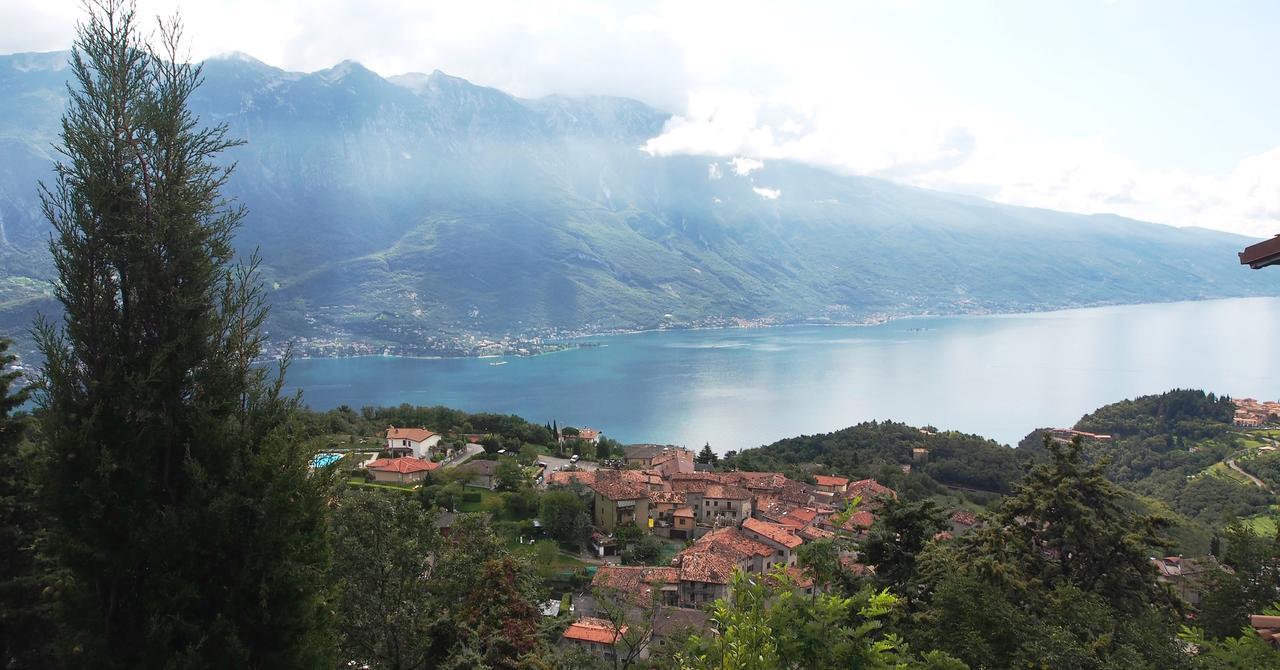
(722, 522)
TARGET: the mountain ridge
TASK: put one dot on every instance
(423, 212)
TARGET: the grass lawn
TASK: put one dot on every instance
(477, 506)
(548, 556)
(1263, 524)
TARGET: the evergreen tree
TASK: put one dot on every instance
(182, 506)
(1067, 524)
(707, 456)
(898, 536)
(26, 617)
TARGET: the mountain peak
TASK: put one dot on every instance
(238, 57)
(346, 69)
(38, 61)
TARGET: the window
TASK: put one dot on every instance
(404, 442)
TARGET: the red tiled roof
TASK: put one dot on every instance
(404, 466)
(772, 532)
(414, 434)
(636, 581)
(853, 566)
(713, 557)
(590, 629)
(755, 480)
(828, 480)
(588, 433)
(964, 518)
(799, 517)
(870, 488)
(727, 492)
(683, 511)
(859, 520)
(566, 478)
(615, 487)
(812, 533)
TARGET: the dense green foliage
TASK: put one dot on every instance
(28, 624)
(1060, 578)
(161, 512)
(877, 449)
(180, 499)
(1164, 447)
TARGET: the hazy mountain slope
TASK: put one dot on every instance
(423, 207)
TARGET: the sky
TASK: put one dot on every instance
(1162, 110)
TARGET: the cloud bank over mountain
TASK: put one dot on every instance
(1134, 108)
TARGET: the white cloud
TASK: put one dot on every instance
(766, 192)
(713, 171)
(853, 87)
(743, 166)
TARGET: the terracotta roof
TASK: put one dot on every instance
(698, 565)
(564, 478)
(636, 581)
(415, 434)
(964, 518)
(800, 578)
(618, 488)
(755, 480)
(773, 532)
(870, 488)
(674, 461)
(713, 557)
(797, 493)
(799, 517)
(727, 492)
(590, 629)
(698, 486)
(859, 520)
(643, 451)
(853, 566)
(404, 466)
(828, 480)
(696, 477)
(812, 533)
(588, 433)
(683, 511)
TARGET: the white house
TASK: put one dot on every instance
(417, 442)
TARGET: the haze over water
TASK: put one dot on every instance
(997, 376)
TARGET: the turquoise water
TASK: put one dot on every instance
(998, 376)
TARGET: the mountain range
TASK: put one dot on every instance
(421, 212)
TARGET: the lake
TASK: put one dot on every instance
(998, 376)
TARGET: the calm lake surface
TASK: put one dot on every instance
(997, 376)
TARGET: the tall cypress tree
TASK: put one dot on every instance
(183, 508)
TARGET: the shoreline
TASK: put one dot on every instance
(571, 342)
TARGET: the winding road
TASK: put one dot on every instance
(1231, 463)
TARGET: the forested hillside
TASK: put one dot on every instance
(880, 449)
